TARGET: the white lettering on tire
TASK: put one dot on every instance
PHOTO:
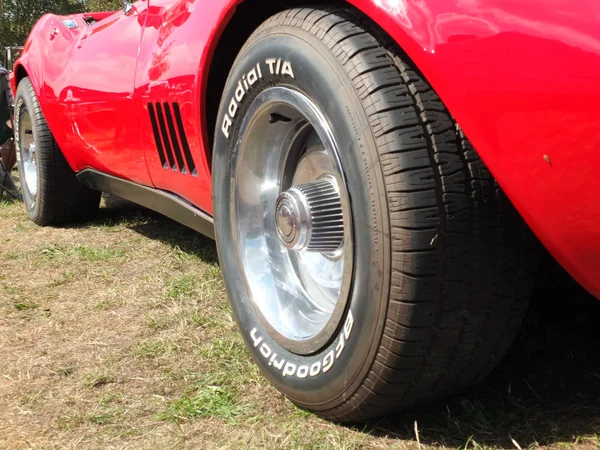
(277, 66)
(265, 350)
(289, 369)
(256, 339)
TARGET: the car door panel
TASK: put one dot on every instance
(94, 97)
(169, 101)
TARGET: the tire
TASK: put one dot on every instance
(51, 192)
(442, 265)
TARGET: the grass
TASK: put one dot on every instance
(98, 378)
(56, 251)
(210, 401)
(181, 287)
(118, 334)
(26, 306)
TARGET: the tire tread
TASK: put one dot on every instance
(453, 230)
(62, 198)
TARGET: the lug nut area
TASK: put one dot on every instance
(309, 217)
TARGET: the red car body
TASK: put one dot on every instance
(521, 77)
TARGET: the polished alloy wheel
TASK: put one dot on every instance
(28, 155)
(292, 220)
(371, 262)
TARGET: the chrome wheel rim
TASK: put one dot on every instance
(291, 220)
(28, 156)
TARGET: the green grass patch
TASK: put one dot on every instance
(12, 256)
(11, 290)
(97, 254)
(210, 401)
(69, 421)
(108, 252)
(103, 418)
(230, 348)
(323, 439)
(111, 398)
(153, 348)
(98, 379)
(116, 222)
(26, 306)
(203, 320)
(158, 321)
(181, 288)
(230, 361)
(54, 251)
(67, 370)
(63, 278)
(195, 249)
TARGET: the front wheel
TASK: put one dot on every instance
(51, 192)
(371, 261)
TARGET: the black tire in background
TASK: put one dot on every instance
(443, 267)
(60, 197)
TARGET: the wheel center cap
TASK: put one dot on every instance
(309, 217)
(286, 218)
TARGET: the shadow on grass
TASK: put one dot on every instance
(152, 225)
(546, 391)
(6, 199)
(179, 236)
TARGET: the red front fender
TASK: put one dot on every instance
(522, 80)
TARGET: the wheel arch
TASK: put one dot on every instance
(20, 73)
(241, 18)
(482, 65)
(27, 68)
(31, 62)
(468, 56)
(404, 22)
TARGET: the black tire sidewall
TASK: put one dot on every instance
(319, 75)
(24, 101)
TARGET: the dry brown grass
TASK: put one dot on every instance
(117, 334)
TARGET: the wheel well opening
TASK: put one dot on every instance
(247, 17)
(20, 73)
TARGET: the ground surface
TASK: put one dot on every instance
(117, 334)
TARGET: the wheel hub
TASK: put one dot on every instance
(292, 220)
(309, 217)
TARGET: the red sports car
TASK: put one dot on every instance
(371, 169)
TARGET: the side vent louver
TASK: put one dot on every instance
(171, 140)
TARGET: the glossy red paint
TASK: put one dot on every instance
(172, 61)
(89, 100)
(521, 77)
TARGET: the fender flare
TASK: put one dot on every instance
(28, 67)
(500, 69)
(31, 62)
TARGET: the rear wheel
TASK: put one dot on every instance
(51, 192)
(371, 260)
